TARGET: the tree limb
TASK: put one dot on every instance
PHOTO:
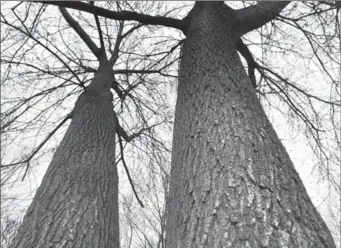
(116, 87)
(127, 171)
(80, 31)
(122, 15)
(115, 52)
(102, 53)
(128, 138)
(251, 63)
(255, 16)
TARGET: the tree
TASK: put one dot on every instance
(77, 202)
(232, 183)
(67, 208)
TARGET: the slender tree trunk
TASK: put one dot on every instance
(77, 202)
(232, 181)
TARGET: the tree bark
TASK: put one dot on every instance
(232, 181)
(77, 202)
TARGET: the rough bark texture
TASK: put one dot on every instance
(77, 202)
(232, 181)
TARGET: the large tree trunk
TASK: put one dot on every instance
(232, 181)
(77, 202)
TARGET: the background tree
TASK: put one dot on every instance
(133, 88)
(272, 86)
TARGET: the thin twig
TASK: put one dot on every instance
(47, 48)
(29, 158)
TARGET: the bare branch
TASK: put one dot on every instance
(122, 15)
(251, 64)
(114, 53)
(127, 171)
(131, 30)
(29, 35)
(129, 138)
(102, 53)
(304, 92)
(255, 16)
(80, 31)
(29, 158)
(119, 38)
